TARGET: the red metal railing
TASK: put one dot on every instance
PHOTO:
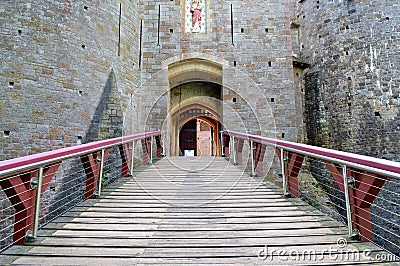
(360, 178)
(24, 179)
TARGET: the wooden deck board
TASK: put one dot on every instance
(192, 215)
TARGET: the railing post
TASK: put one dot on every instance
(234, 151)
(162, 146)
(101, 173)
(37, 204)
(284, 181)
(347, 198)
(222, 144)
(132, 157)
(252, 158)
(151, 149)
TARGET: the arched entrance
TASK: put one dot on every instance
(199, 137)
(192, 123)
(241, 105)
(195, 107)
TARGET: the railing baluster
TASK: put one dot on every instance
(234, 151)
(222, 144)
(252, 158)
(163, 154)
(132, 157)
(101, 173)
(347, 198)
(37, 204)
(284, 181)
(151, 149)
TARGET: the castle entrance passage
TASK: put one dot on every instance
(196, 111)
(195, 107)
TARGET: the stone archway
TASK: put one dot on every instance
(241, 107)
(206, 109)
(195, 93)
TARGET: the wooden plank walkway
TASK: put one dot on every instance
(191, 211)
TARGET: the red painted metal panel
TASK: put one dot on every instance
(292, 171)
(239, 150)
(125, 151)
(226, 141)
(146, 150)
(159, 146)
(23, 198)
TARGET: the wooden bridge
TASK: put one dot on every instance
(198, 210)
(194, 210)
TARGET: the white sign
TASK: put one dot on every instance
(189, 153)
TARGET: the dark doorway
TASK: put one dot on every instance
(198, 137)
(188, 139)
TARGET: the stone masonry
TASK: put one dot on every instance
(260, 50)
(58, 57)
(352, 90)
(62, 61)
(353, 47)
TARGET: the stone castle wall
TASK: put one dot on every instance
(73, 69)
(353, 86)
(63, 78)
(352, 90)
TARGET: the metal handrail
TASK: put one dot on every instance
(22, 176)
(360, 178)
(11, 166)
(379, 166)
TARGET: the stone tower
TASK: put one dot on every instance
(352, 89)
